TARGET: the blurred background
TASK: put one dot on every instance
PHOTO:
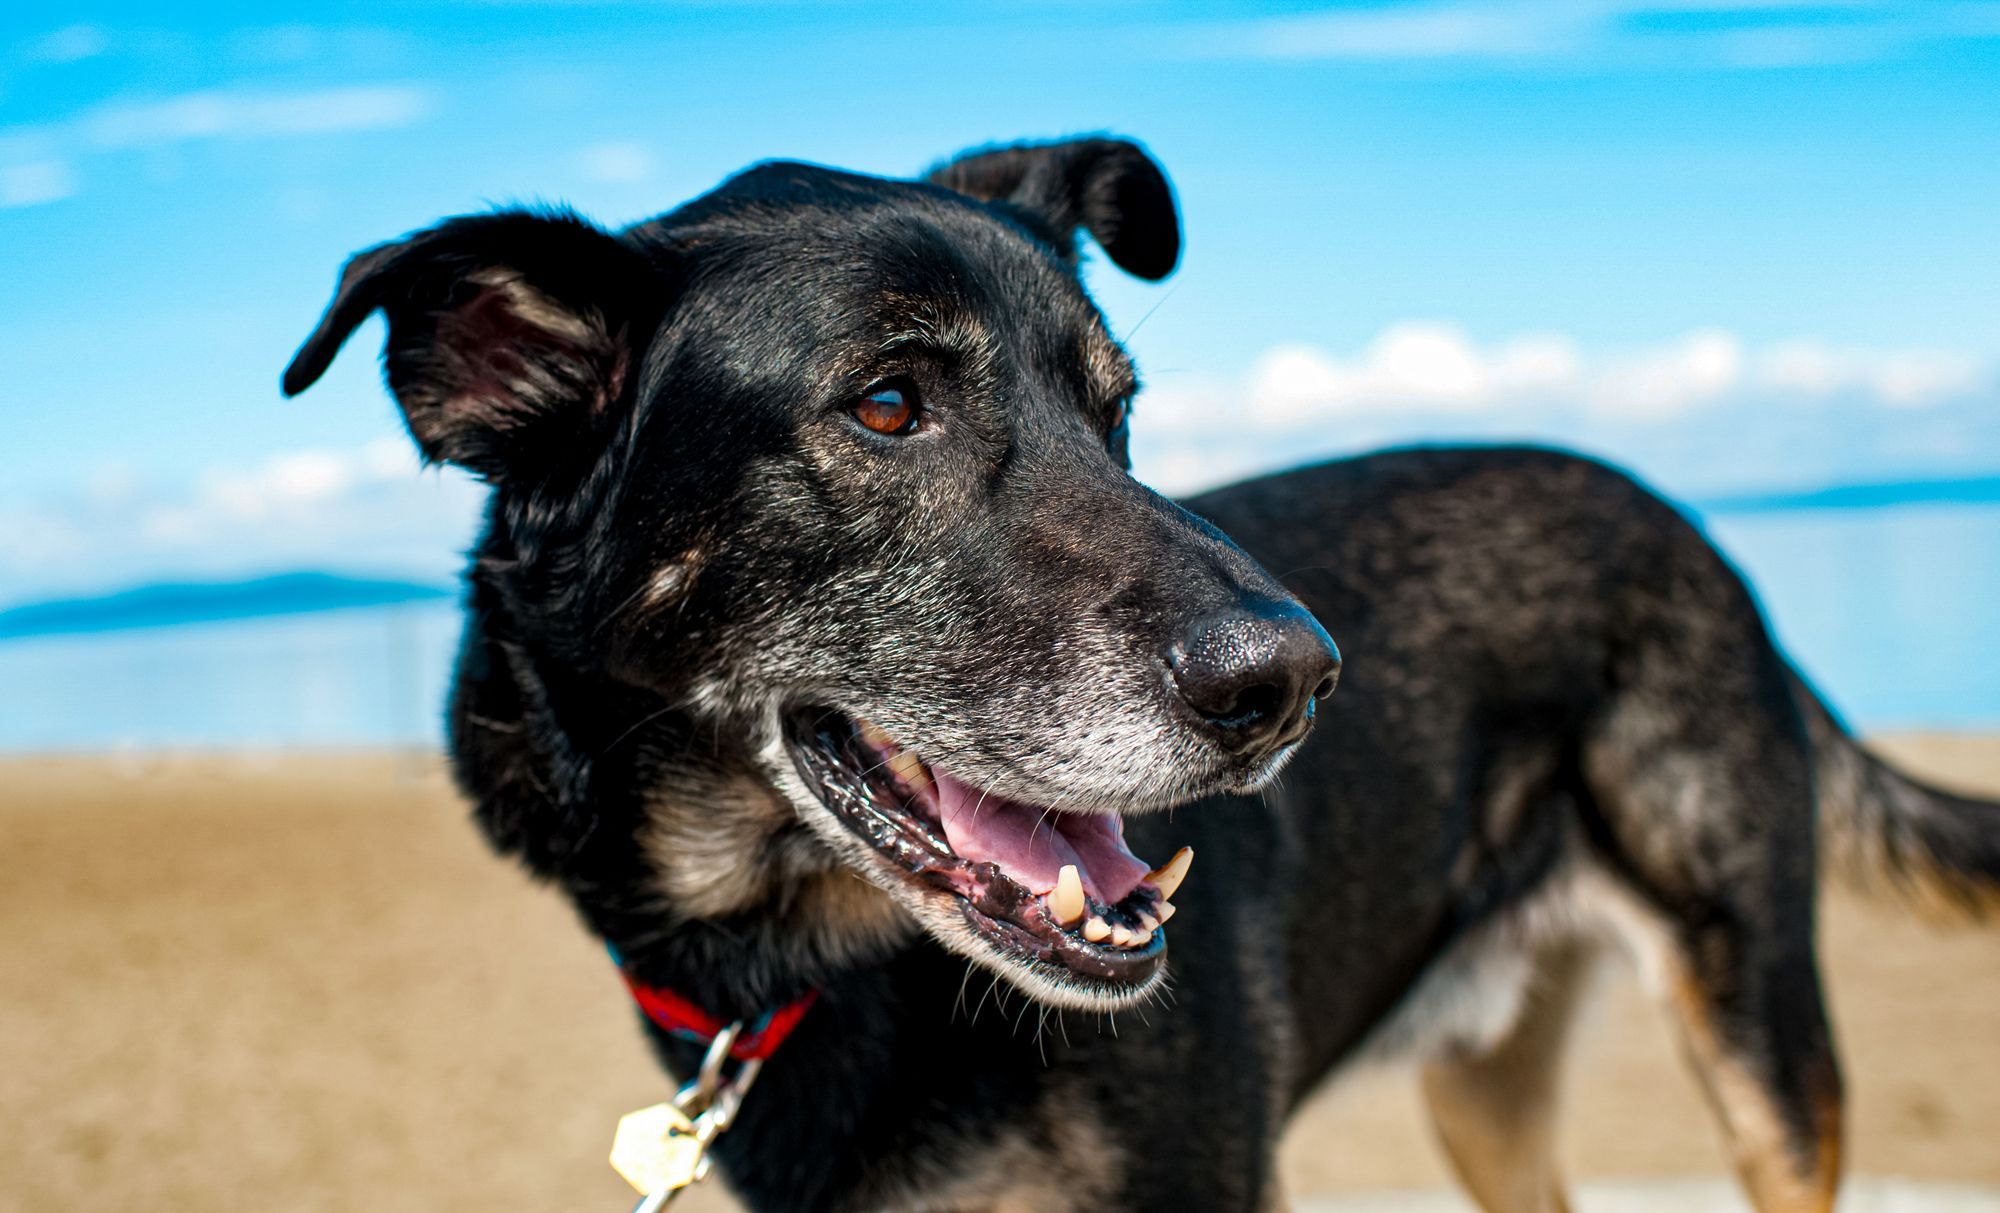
(1746, 249)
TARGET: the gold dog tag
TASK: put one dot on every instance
(656, 1150)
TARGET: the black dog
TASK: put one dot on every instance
(813, 555)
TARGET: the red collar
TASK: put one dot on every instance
(678, 1017)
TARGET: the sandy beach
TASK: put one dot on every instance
(301, 982)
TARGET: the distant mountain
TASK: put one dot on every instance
(167, 603)
(1959, 490)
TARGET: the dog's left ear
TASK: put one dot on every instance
(1109, 187)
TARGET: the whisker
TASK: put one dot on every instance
(1171, 292)
(645, 720)
(958, 1004)
(993, 981)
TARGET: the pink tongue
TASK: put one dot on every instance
(1032, 844)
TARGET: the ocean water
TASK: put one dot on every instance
(1891, 611)
(361, 677)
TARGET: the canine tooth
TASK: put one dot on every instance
(1066, 902)
(1096, 930)
(1168, 876)
(1166, 910)
(1121, 936)
(911, 770)
(872, 734)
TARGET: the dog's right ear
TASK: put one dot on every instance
(511, 335)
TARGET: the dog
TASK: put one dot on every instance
(823, 650)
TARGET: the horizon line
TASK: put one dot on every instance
(164, 602)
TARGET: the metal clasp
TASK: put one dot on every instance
(707, 1106)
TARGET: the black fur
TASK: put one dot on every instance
(1555, 681)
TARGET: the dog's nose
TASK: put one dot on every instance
(1255, 673)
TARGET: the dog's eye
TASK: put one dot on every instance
(1118, 440)
(890, 408)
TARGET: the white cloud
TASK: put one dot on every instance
(1420, 31)
(620, 163)
(290, 486)
(1429, 366)
(1696, 396)
(1693, 370)
(69, 44)
(35, 161)
(221, 113)
(1774, 33)
(1436, 367)
(372, 507)
(1415, 363)
(1899, 377)
(34, 182)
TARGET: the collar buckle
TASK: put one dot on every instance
(663, 1150)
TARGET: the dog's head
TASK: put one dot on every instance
(835, 467)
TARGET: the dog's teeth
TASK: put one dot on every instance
(1166, 910)
(1121, 936)
(907, 766)
(1096, 930)
(1168, 876)
(1066, 902)
(1147, 922)
(873, 734)
(911, 770)
(1141, 938)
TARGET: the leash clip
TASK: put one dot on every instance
(663, 1150)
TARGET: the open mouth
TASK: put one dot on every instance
(1040, 886)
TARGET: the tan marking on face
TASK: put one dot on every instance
(720, 847)
(846, 916)
(666, 587)
(706, 838)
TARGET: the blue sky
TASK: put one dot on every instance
(1738, 246)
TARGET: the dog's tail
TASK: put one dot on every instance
(1884, 832)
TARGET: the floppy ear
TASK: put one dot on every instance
(1109, 187)
(510, 335)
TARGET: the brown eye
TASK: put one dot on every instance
(889, 408)
(1120, 414)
